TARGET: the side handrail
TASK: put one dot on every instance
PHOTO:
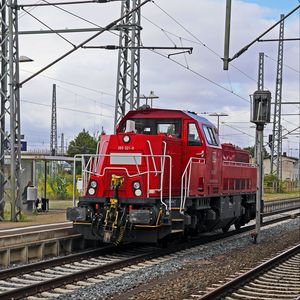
(79, 158)
(186, 180)
(151, 152)
(97, 162)
(238, 164)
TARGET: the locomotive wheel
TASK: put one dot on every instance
(163, 243)
(225, 228)
(237, 225)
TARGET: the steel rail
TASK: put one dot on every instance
(280, 211)
(271, 202)
(81, 275)
(32, 267)
(228, 287)
(280, 206)
(49, 284)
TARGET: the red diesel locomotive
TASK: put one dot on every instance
(163, 174)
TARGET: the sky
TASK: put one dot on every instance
(86, 80)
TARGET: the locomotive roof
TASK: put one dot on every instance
(166, 113)
(199, 119)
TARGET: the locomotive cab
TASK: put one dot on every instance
(162, 174)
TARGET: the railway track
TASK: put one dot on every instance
(35, 279)
(277, 278)
(280, 206)
(88, 268)
(43, 241)
(63, 275)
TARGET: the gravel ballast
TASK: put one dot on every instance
(193, 270)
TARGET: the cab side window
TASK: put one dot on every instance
(193, 135)
(166, 128)
(210, 136)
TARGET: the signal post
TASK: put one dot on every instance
(260, 115)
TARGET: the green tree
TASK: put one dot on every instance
(58, 185)
(84, 143)
(251, 151)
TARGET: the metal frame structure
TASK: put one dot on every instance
(10, 91)
(53, 134)
(260, 81)
(260, 87)
(10, 107)
(128, 77)
(276, 143)
(4, 100)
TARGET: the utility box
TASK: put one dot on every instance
(31, 198)
(261, 107)
(31, 193)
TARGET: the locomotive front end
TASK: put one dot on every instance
(127, 189)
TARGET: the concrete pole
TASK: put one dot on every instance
(227, 35)
(34, 172)
(259, 134)
(45, 180)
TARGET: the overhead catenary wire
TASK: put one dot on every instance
(77, 16)
(21, 15)
(69, 109)
(164, 31)
(287, 66)
(106, 28)
(234, 128)
(184, 28)
(85, 97)
(72, 84)
(40, 21)
(202, 76)
(198, 41)
(199, 73)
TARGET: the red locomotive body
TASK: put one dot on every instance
(164, 173)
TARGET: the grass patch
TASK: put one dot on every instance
(279, 196)
(60, 204)
(56, 213)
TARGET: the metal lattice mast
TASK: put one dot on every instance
(276, 143)
(4, 101)
(260, 87)
(10, 107)
(62, 144)
(260, 81)
(128, 77)
(53, 135)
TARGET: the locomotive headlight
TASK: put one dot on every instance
(93, 184)
(126, 138)
(138, 192)
(136, 185)
(91, 191)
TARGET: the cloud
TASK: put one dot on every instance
(196, 82)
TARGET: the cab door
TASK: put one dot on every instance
(213, 159)
(194, 146)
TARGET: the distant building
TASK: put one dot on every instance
(290, 167)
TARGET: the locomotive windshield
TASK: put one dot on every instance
(157, 126)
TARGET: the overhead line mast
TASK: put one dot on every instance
(276, 144)
(128, 77)
(10, 97)
(10, 108)
(53, 135)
